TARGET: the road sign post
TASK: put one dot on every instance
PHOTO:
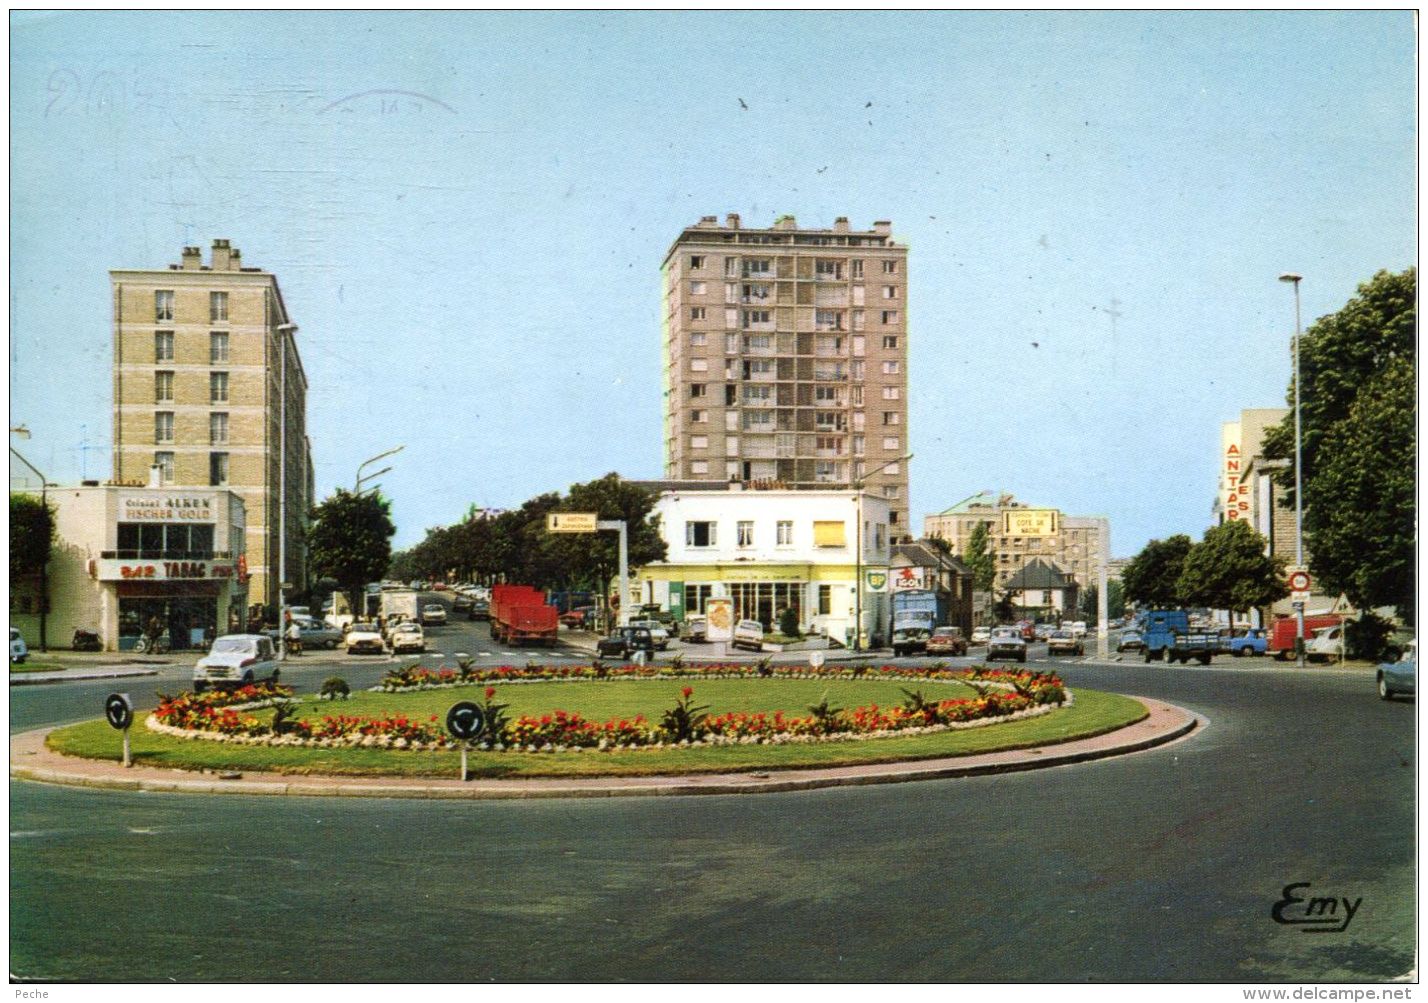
(465, 721)
(590, 522)
(120, 714)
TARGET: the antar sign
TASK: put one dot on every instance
(1236, 494)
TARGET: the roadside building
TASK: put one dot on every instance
(1076, 545)
(771, 550)
(125, 559)
(1042, 590)
(209, 388)
(785, 356)
(919, 566)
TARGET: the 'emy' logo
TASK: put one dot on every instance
(1314, 915)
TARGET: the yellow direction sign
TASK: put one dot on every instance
(1030, 521)
(571, 522)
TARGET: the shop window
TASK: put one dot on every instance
(825, 597)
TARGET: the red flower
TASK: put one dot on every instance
(490, 692)
(688, 691)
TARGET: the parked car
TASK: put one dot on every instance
(1077, 628)
(433, 613)
(749, 634)
(236, 660)
(1327, 645)
(1400, 676)
(947, 641)
(316, 634)
(1131, 641)
(462, 601)
(1251, 642)
(364, 636)
(1064, 642)
(1043, 630)
(438, 587)
(408, 637)
(580, 617)
(1006, 642)
(1028, 630)
(696, 627)
(18, 651)
(909, 641)
(624, 642)
(981, 635)
(657, 632)
(480, 610)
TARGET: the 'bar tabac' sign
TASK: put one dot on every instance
(1031, 522)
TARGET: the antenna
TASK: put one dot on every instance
(84, 449)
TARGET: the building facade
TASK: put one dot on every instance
(785, 358)
(1240, 442)
(209, 389)
(1077, 546)
(771, 550)
(127, 558)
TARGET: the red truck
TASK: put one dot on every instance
(519, 614)
(1281, 638)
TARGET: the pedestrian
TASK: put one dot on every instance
(294, 638)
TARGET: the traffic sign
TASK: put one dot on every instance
(119, 710)
(571, 522)
(1299, 583)
(465, 720)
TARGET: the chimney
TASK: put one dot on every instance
(785, 222)
(235, 260)
(840, 225)
(192, 259)
(221, 254)
(883, 227)
(707, 221)
(732, 221)
(156, 476)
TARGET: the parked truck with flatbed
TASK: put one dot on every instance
(520, 615)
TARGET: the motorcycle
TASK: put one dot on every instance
(85, 640)
(153, 645)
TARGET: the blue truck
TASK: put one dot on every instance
(1167, 635)
(914, 613)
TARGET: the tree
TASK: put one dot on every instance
(350, 540)
(1090, 599)
(979, 559)
(32, 533)
(1230, 570)
(594, 557)
(1152, 577)
(1358, 448)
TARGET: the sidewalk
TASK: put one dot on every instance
(30, 760)
(718, 651)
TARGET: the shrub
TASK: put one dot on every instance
(683, 722)
(765, 666)
(1368, 637)
(788, 623)
(335, 688)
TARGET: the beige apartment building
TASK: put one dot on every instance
(1076, 547)
(786, 358)
(209, 391)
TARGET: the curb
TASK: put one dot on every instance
(76, 675)
(1163, 724)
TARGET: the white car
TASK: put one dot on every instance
(408, 637)
(749, 634)
(433, 613)
(236, 660)
(18, 651)
(1077, 628)
(364, 636)
(980, 635)
(1327, 645)
(657, 630)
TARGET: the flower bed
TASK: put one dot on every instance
(1003, 696)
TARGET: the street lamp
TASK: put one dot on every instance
(285, 331)
(24, 433)
(858, 551)
(357, 484)
(1298, 482)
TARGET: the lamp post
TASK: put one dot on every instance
(24, 432)
(858, 551)
(285, 332)
(1298, 478)
(357, 484)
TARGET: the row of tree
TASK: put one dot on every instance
(1228, 569)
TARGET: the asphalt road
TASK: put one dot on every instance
(1164, 865)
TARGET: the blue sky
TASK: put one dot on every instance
(467, 214)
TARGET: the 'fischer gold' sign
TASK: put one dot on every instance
(1031, 522)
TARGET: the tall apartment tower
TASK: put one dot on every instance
(786, 357)
(209, 390)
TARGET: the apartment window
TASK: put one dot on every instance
(697, 313)
(217, 306)
(860, 345)
(698, 390)
(758, 419)
(891, 490)
(858, 319)
(218, 428)
(164, 304)
(823, 268)
(828, 534)
(855, 396)
(784, 529)
(698, 339)
(731, 267)
(731, 316)
(731, 344)
(859, 369)
(891, 368)
(746, 533)
(889, 267)
(860, 445)
(892, 443)
(698, 365)
(731, 394)
(758, 342)
(696, 261)
(880, 536)
(823, 394)
(700, 534)
(217, 469)
(754, 394)
(893, 468)
(891, 393)
(699, 467)
(889, 316)
(698, 288)
(892, 418)
(758, 266)
(163, 385)
(758, 367)
(825, 592)
(890, 341)
(698, 417)
(858, 419)
(889, 292)
(163, 426)
(218, 388)
(731, 292)
(752, 317)
(163, 346)
(731, 445)
(755, 291)
(857, 264)
(217, 347)
(828, 320)
(165, 462)
(699, 442)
